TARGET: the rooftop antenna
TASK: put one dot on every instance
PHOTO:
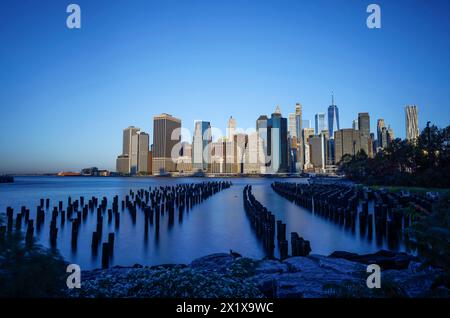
(332, 98)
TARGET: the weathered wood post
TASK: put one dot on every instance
(105, 255)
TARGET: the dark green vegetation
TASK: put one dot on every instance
(419, 167)
(29, 270)
(430, 234)
(423, 163)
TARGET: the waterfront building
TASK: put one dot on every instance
(200, 146)
(123, 162)
(277, 126)
(264, 145)
(166, 138)
(252, 163)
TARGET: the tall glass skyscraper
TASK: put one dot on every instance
(333, 118)
(319, 123)
(202, 138)
(278, 139)
(333, 126)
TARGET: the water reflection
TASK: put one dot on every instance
(218, 224)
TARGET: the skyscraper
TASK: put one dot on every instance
(318, 151)
(231, 128)
(380, 125)
(412, 122)
(299, 128)
(333, 118)
(364, 124)
(264, 144)
(333, 126)
(166, 135)
(202, 138)
(355, 124)
(127, 134)
(319, 119)
(298, 121)
(139, 153)
(292, 125)
(123, 162)
(252, 164)
(307, 134)
(277, 126)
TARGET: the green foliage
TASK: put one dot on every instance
(424, 162)
(29, 270)
(430, 234)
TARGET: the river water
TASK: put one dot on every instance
(218, 224)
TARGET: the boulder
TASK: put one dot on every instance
(271, 267)
(218, 262)
(300, 264)
(385, 259)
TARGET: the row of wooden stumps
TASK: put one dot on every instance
(152, 202)
(346, 204)
(264, 223)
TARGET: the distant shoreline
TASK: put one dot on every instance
(271, 176)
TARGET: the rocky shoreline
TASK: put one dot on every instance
(341, 274)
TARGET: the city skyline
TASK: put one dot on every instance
(65, 105)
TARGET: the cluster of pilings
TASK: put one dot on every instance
(338, 204)
(152, 202)
(263, 221)
(348, 206)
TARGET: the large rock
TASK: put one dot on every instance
(271, 267)
(339, 265)
(300, 264)
(385, 259)
(218, 262)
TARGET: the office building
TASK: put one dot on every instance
(139, 153)
(264, 145)
(252, 164)
(231, 128)
(123, 162)
(318, 152)
(333, 126)
(239, 146)
(166, 136)
(364, 133)
(320, 125)
(307, 134)
(380, 126)
(277, 126)
(200, 146)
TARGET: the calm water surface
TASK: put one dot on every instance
(215, 225)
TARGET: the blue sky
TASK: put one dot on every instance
(66, 95)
